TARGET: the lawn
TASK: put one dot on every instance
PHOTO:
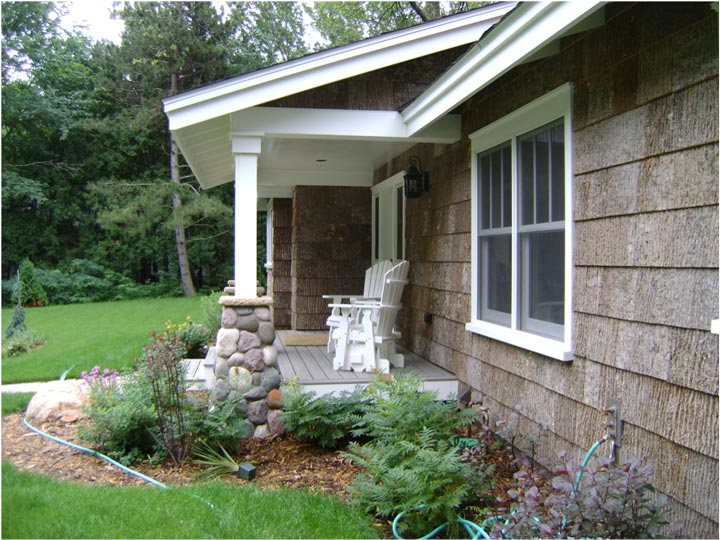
(39, 507)
(36, 506)
(80, 336)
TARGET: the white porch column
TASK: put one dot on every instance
(246, 149)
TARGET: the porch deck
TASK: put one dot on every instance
(312, 366)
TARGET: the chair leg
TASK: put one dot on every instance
(340, 338)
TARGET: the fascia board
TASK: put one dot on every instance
(329, 66)
(527, 30)
(339, 124)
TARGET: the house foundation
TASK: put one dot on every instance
(245, 363)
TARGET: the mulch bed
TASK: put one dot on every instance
(280, 462)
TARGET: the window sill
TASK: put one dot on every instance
(552, 348)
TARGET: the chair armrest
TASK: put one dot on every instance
(365, 299)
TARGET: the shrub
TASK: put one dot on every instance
(194, 336)
(19, 339)
(610, 502)
(326, 420)
(121, 415)
(211, 314)
(225, 424)
(424, 476)
(175, 418)
(30, 291)
(410, 464)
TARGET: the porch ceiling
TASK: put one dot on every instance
(318, 147)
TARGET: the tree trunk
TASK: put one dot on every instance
(180, 242)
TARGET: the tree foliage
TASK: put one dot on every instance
(87, 165)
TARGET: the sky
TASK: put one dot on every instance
(95, 15)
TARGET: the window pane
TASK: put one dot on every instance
(496, 189)
(527, 181)
(542, 177)
(557, 170)
(507, 187)
(484, 167)
(545, 271)
(496, 273)
(400, 223)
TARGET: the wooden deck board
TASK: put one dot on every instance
(312, 367)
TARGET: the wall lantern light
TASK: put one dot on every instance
(416, 180)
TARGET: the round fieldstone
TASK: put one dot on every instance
(229, 318)
(241, 407)
(257, 377)
(236, 359)
(227, 341)
(274, 399)
(249, 323)
(261, 432)
(270, 355)
(253, 360)
(263, 313)
(239, 377)
(243, 310)
(274, 423)
(246, 429)
(257, 412)
(247, 341)
(258, 392)
(220, 391)
(271, 378)
(221, 368)
(266, 332)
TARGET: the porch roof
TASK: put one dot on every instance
(341, 147)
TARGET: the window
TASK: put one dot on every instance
(388, 235)
(522, 227)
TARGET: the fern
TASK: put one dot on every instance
(326, 420)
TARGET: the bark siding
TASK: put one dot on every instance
(330, 249)
(645, 165)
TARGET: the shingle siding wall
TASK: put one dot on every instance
(330, 249)
(645, 123)
(280, 279)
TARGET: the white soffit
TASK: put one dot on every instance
(524, 34)
(329, 66)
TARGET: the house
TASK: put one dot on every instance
(566, 255)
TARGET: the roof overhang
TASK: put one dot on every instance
(529, 32)
(329, 66)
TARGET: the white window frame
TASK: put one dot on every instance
(386, 195)
(548, 108)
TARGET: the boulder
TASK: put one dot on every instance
(274, 423)
(58, 400)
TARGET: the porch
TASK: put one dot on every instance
(304, 355)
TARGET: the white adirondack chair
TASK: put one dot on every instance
(365, 338)
(371, 292)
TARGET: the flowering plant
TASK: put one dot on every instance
(193, 335)
(96, 378)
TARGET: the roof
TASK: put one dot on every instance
(340, 147)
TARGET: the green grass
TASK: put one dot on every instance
(34, 506)
(80, 336)
(15, 402)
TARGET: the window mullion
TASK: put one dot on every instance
(515, 221)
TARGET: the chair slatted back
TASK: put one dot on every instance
(394, 282)
(374, 278)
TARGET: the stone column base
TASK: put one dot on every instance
(245, 367)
